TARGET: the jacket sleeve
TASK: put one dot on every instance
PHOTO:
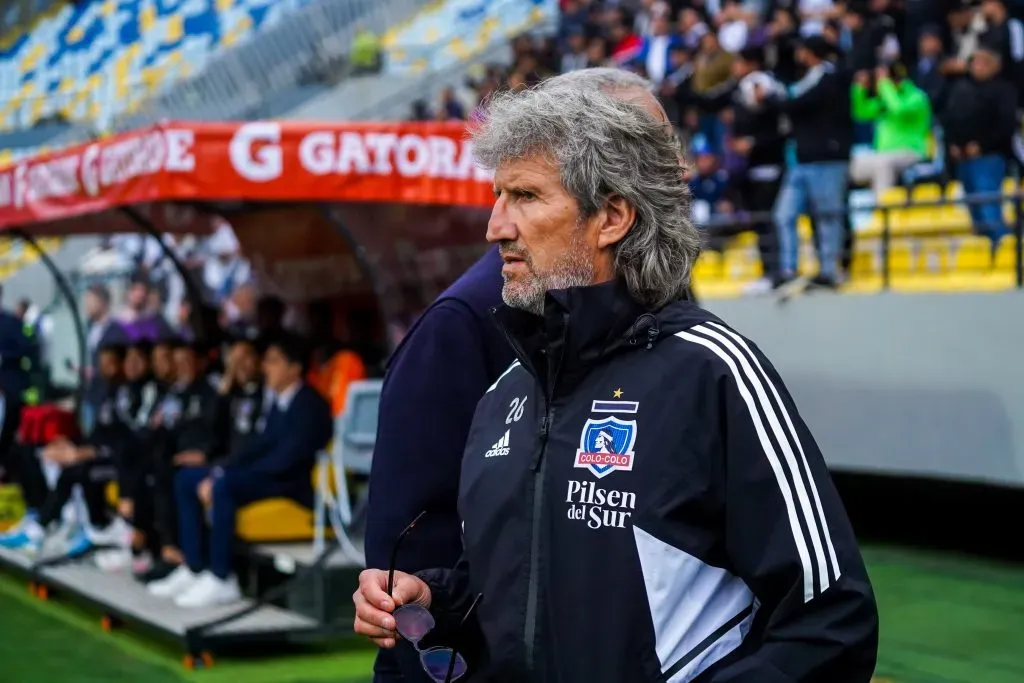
(865, 107)
(788, 538)
(432, 387)
(810, 92)
(306, 435)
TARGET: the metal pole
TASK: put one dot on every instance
(65, 288)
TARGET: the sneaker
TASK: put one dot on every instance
(78, 544)
(175, 583)
(209, 591)
(158, 569)
(116, 560)
(118, 534)
(24, 541)
(29, 518)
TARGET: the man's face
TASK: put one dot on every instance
(110, 364)
(804, 57)
(135, 364)
(543, 241)
(984, 66)
(137, 296)
(93, 306)
(186, 365)
(246, 361)
(741, 68)
(163, 362)
(279, 372)
(930, 45)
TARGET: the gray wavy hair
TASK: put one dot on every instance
(604, 146)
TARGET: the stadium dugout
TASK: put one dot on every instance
(376, 215)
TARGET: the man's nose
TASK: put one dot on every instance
(500, 227)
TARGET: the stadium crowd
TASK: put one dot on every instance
(785, 105)
(191, 427)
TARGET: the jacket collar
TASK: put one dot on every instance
(580, 327)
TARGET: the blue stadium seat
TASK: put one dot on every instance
(93, 60)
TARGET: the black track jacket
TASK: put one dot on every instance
(641, 502)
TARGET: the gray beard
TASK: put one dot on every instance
(574, 268)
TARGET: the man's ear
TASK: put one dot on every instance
(619, 216)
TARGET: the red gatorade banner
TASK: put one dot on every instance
(262, 161)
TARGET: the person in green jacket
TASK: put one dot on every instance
(902, 116)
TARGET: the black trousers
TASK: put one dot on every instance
(30, 476)
(160, 479)
(759, 197)
(93, 476)
(9, 460)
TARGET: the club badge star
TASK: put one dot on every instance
(617, 393)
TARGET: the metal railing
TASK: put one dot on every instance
(726, 226)
(241, 80)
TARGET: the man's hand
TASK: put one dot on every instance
(881, 74)
(205, 492)
(862, 78)
(190, 459)
(972, 150)
(374, 607)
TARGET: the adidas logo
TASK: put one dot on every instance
(500, 448)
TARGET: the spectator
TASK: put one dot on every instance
(575, 56)
(365, 53)
(450, 109)
(654, 55)
(980, 120)
(15, 352)
(278, 462)
(927, 73)
(902, 116)
(818, 107)
(866, 35)
(1004, 36)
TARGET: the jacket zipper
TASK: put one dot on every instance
(536, 495)
(539, 465)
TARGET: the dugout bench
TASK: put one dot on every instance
(301, 565)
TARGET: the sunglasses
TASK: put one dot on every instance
(413, 623)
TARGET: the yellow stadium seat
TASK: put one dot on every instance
(708, 266)
(277, 520)
(933, 256)
(897, 217)
(901, 257)
(865, 258)
(972, 254)
(742, 264)
(1006, 254)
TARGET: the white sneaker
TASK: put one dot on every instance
(209, 591)
(176, 583)
(118, 533)
(116, 560)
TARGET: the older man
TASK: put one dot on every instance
(453, 345)
(706, 542)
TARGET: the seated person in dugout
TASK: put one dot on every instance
(91, 464)
(187, 432)
(277, 462)
(137, 400)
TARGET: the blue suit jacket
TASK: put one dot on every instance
(285, 451)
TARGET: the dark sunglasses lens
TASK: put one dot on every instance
(436, 661)
(413, 622)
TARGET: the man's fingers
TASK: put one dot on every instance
(372, 583)
(376, 618)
